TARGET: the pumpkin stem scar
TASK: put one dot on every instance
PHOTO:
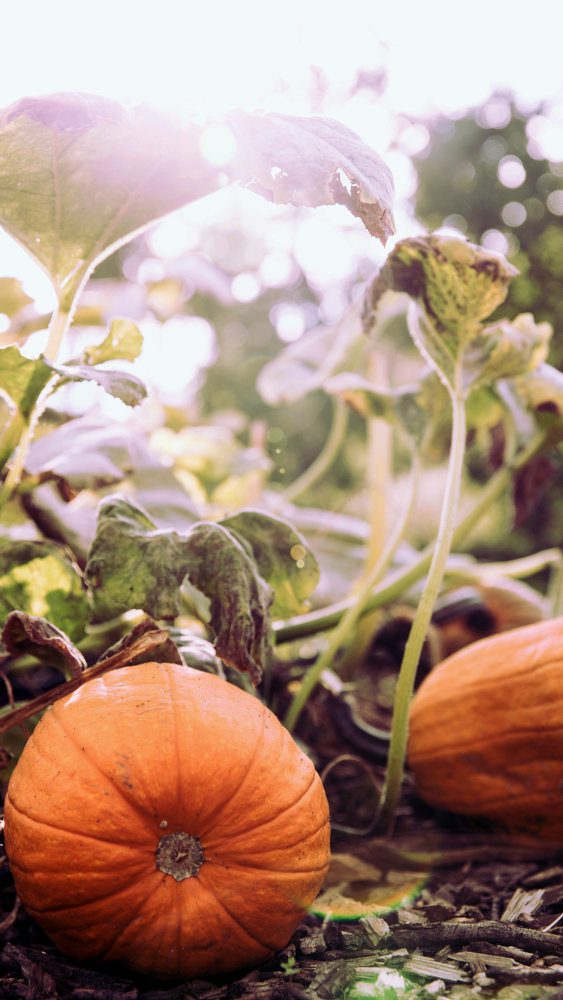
(179, 855)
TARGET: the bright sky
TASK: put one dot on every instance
(216, 54)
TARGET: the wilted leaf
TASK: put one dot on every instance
(134, 565)
(506, 349)
(23, 633)
(282, 556)
(80, 174)
(355, 888)
(123, 342)
(313, 161)
(306, 364)
(240, 599)
(146, 641)
(39, 579)
(12, 297)
(454, 286)
(457, 283)
(124, 386)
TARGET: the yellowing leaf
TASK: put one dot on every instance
(355, 888)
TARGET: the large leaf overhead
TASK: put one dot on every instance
(80, 174)
(314, 161)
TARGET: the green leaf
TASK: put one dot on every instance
(132, 564)
(11, 426)
(21, 383)
(79, 175)
(21, 379)
(123, 342)
(12, 297)
(306, 364)
(124, 386)
(313, 161)
(282, 556)
(23, 633)
(39, 579)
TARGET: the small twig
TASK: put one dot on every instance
(553, 923)
(485, 930)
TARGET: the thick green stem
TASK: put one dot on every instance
(58, 326)
(326, 457)
(419, 629)
(343, 631)
(513, 568)
(379, 474)
(60, 321)
(555, 588)
(398, 582)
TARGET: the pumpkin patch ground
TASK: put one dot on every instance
(281, 578)
(445, 907)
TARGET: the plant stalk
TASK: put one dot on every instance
(396, 583)
(58, 326)
(419, 629)
(343, 631)
(379, 462)
(326, 456)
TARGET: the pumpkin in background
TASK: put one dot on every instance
(486, 731)
(161, 817)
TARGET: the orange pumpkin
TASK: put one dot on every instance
(162, 817)
(486, 731)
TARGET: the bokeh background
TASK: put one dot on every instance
(465, 105)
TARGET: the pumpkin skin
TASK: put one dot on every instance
(486, 731)
(139, 754)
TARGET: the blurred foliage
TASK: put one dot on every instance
(460, 176)
(485, 174)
